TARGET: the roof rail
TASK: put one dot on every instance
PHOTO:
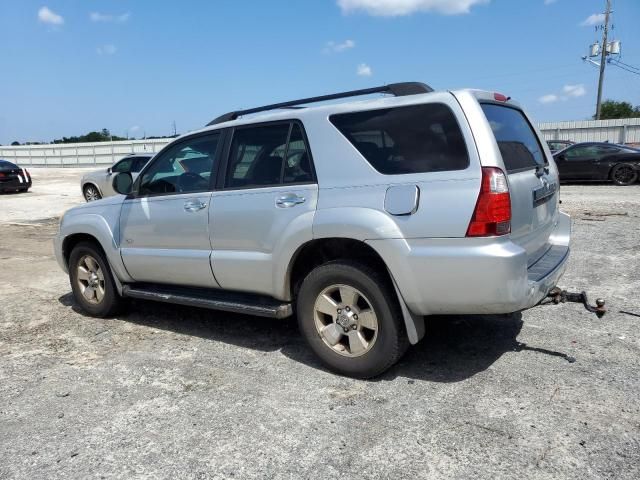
(397, 89)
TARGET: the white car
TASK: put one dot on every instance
(96, 185)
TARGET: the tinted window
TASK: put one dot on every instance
(123, 165)
(6, 165)
(582, 152)
(413, 139)
(297, 168)
(257, 155)
(185, 167)
(516, 139)
(139, 163)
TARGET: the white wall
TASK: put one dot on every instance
(106, 153)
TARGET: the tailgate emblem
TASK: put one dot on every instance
(544, 192)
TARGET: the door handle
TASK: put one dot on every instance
(289, 200)
(194, 206)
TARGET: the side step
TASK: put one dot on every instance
(249, 304)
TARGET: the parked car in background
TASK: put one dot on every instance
(599, 162)
(96, 185)
(557, 145)
(359, 217)
(13, 178)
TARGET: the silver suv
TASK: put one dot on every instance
(96, 185)
(360, 218)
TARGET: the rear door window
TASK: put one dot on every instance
(411, 139)
(518, 143)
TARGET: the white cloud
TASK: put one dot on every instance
(395, 8)
(574, 90)
(47, 16)
(108, 49)
(334, 47)
(594, 19)
(107, 17)
(550, 98)
(364, 70)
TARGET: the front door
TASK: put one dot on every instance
(265, 208)
(164, 226)
(578, 162)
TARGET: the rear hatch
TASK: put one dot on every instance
(533, 184)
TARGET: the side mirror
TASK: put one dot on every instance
(122, 183)
(109, 172)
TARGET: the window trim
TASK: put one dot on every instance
(222, 172)
(222, 132)
(423, 104)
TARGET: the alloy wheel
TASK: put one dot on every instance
(345, 320)
(90, 279)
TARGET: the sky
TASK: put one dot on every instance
(136, 66)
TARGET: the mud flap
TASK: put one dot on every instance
(414, 324)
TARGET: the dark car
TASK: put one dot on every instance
(13, 178)
(598, 162)
(557, 145)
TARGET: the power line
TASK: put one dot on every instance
(623, 68)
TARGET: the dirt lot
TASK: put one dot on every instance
(168, 392)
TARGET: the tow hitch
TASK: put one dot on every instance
(557, 295)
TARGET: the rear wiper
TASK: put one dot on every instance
(542, 170)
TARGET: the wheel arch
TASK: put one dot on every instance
(320, 251)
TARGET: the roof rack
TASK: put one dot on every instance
(397, 89)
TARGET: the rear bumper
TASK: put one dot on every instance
(474, 275)
(13, 184)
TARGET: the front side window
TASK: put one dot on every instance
(123, 165)
(185, 167)
(579, 153)
(411, 139)
(518, 143)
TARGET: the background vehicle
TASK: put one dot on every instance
(96, 185)
(599, 161)
(13, 178)
(362, 217)
(557, 145)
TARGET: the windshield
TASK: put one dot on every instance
(518, 143)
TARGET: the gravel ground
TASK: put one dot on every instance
(165, 392)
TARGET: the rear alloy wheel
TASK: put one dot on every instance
(624, 174)
(350, 316)
(91, 281)
(91, 193)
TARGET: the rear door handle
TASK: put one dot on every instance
(289, 200)
(194, 206)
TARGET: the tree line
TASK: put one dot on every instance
(103, 135)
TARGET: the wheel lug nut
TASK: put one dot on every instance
(348, 309)
(339, 310)
(354, 327)
(355, 317)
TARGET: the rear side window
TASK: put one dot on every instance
(411, 139)
(519, 145)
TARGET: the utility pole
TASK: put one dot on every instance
(175, 131)
(603, 58)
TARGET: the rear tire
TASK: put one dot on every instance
(91, 193)
(350, 317)
(92, 283)
(624, 174)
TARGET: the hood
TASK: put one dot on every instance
(97, 206)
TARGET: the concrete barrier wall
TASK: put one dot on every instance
(106, 153)
(78, 154)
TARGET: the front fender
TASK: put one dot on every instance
(104, 230)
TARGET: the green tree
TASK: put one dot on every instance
(613, 109)
(15, 143)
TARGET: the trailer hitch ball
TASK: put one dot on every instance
(558, 295)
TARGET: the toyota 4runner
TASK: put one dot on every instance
(360, 218)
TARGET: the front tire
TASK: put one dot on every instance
(92, 284)
(624, 174)
(351, 319)
(91, 193)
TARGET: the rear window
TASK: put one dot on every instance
(411, 139)
(517, 141)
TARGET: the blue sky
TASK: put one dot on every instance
(71, 66)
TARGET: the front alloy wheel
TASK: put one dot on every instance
(90, 279)
(91, 193)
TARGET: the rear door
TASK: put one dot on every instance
(265, 207)
(533, 184)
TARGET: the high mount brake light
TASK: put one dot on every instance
(498, 97)
(492, 215)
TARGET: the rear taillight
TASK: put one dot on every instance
(2, 175)
(492, 215)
